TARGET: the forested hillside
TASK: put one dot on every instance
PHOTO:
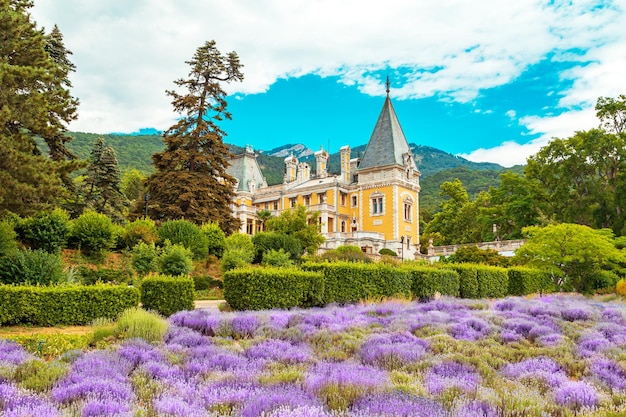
(436, 166)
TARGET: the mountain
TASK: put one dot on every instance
(436, 166)
(298, 150)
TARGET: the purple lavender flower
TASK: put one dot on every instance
(448, 375)
(397, 405)
(100, 408)
(541, 368)
(345, 374)
(138, 351)
(279, 351)
(244, 326)
(592, 343)
(231, 393)
(298, 411)
(575, 314)
(11, 353)
(392, 350)
(609, 373)
(199, 320)
(268, 399)
(14, 403)
(576, 395)
(174, 406)
(470, 329)
(614, 316)
(186, 337)
(477, 409)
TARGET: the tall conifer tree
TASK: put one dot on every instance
(190, 180)
(34, 102)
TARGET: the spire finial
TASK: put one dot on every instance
(388, 86)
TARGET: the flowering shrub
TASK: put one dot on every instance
(558, 355)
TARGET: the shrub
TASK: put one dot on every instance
(266, 241)
(204, 282)
(239, 241)
(387, 251)
(175, 260)
(479, 281)
(46, 231)
(216, 239)
(600, 280)
(138, 323)
(31, 267)
(167, 294)
(427, 281)
(64, 305)
(187, 234)
(276, 258)
(266, 288)
(7, 238)
(347, 253)
(39, 376)
(144, 258)
(89, 276)
(523, 281)
(235, 258)
(346, 282)
(94, 233)
(139, 231)
(620, 287)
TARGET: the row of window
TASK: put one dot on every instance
(377, 204)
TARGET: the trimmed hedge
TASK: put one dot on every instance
(166, 294)
(426, 281)
(348, 282)
(266, 288)
(64, 305)
(523, 281)
(480, 281)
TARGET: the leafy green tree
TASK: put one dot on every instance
(300, 224)
(132, 185)
(215, 237)
(457, 221)
(584, 177)
(34, 103)
(573, 254)
(175, 260)
(512, 206)
(191, 179)
(474, 255)
(187, 234)
(94, 233)
(46, 231)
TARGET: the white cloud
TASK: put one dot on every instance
(128, 53)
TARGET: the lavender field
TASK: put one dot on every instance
(549, 356)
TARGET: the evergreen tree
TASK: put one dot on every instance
(190, 179)
(104, 181)
(34, 102)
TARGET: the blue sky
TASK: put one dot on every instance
(489, 80)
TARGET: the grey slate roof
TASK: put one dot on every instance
(387, 145)
(245, 169)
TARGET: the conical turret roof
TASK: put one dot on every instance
(387, 145)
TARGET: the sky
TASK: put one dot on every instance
(489, 80)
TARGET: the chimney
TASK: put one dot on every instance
(304, 172)
(321, 162)
(345, 164)
(291, 163)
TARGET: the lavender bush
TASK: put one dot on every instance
(556, 355)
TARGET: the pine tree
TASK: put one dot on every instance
(190, 180)
(33, 103)
(103, 182)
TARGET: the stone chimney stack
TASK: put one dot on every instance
(345, 164)
(304, 172)
(321, 163)
(291, 164)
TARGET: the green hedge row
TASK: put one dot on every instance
(63, 305)
(426, 281)
(266, 288)
(349, 282)
(166, 294)
(523, 281)
(481, 281)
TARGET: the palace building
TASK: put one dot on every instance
(373, 203)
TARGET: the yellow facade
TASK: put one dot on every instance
(372, 203)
